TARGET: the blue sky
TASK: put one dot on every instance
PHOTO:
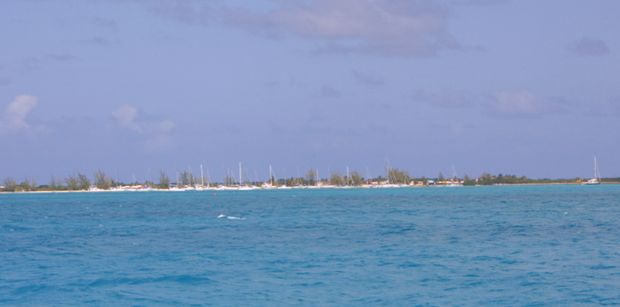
(132, 87)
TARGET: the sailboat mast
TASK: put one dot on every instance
(387, 169)
(270, 174)
(208, 178)
(597, 174)
(202, 177)
(240, 173)
(348, 177)
(318, 178)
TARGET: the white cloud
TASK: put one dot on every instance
(14, 116)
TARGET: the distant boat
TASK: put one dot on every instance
(202, 186)
(597, 175)
(454, 182)
(269, 183)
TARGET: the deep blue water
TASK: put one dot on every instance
(539, 245)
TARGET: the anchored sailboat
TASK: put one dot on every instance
(454, 181)
(242, 184)
(202, 186)
(597, 175)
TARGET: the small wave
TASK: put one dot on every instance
(223, 216)
(602, 267)
(31, 289)
(181, 279)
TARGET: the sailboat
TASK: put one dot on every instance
(269, 183)
(202, 186)
(243, 187)
(597, 175)
(177, 185)
(454, 182)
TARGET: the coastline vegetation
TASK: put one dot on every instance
(186, 180)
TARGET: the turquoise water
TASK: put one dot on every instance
(547, 245)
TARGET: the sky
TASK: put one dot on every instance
(523, 87)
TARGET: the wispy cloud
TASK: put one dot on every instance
(505, 104)
(385, 27)
(523, 103)
(4, 81)
(606, 108)
(100, 40)
(126, 117)
(32, 63)
(29, 64)
(156, 132)
(477, 2)
(587, 46)
(104, 23)
(61, 57)
(451, 98)
(367, 79)
(330, 92)
(14, 116)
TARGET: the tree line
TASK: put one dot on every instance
(100, 180)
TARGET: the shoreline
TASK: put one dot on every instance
(244, 189)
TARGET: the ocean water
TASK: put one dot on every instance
(520, 245)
